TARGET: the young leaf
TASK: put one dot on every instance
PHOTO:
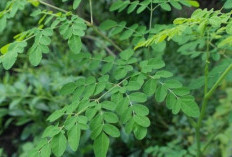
(193, 3)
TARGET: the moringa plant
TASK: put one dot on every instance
(111, 92)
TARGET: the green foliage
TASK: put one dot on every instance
(108, 98)
(140, 6)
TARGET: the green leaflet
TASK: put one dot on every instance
(140, 132)
(74, 137)
(170, 101)
(51, 131)
(161, 93)
(126, 54)
(116, 5)
(111, 130)
(101, 145)
(110, 117)
(59, 144)
(165, 6)
(2, 23)
(142, 121)
(108, 24)
(76, 3)
(138, 97)
(149, 87)
(228, 4)
(190, 107)
(96, 131)
(75, 44)
(176, 106)
(68, 88)
(46, 151)
(11, 53)
(140, 110)
(108, 105)
(176, 5)
(35, 56)
(140, 6)
(55, 115)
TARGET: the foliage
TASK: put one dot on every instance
(114, 79)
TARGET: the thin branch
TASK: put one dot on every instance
(52, 6)
(221, 78)
(87, 23)
(91, 11)
(205, 101)
(151, 15)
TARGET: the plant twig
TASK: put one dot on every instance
(52, 6)
(151, 14)
(91, 11)
(221, 78)
(88, 24)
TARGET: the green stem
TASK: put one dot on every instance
(221, 78)
(91, 11)
(52, 6)
(151, 15)
(205, 102)
(207, 96)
